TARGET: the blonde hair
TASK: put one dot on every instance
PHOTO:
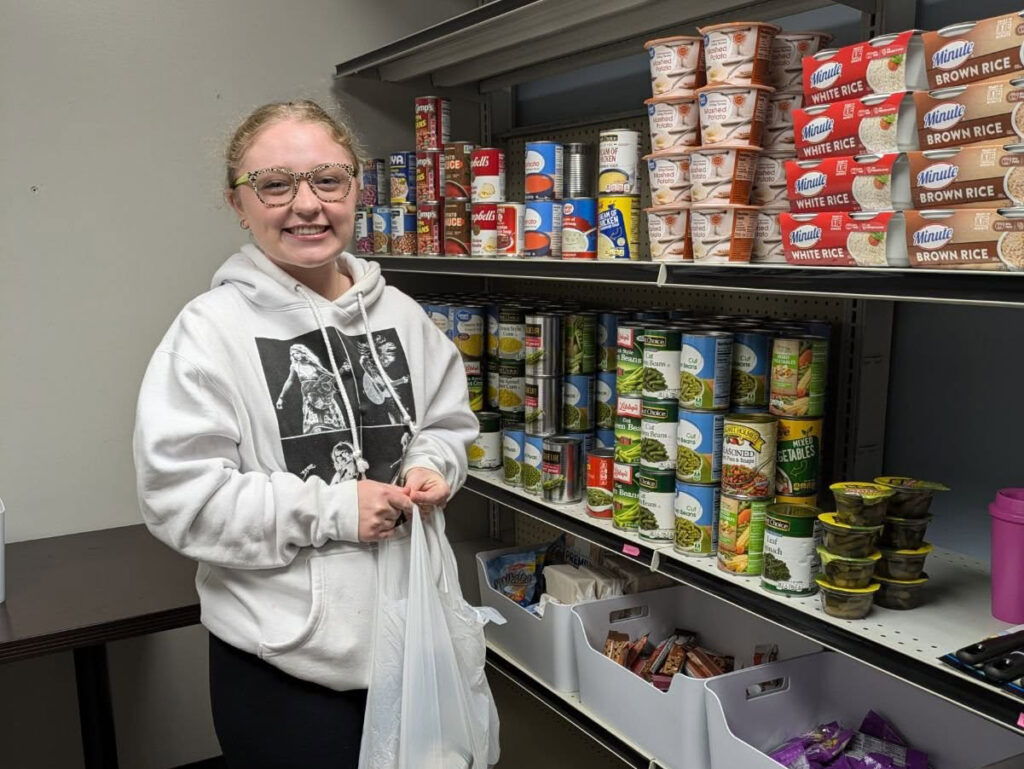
(305, 111)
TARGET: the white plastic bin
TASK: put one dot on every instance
(543, 645)
(825, 687)
(672, 725)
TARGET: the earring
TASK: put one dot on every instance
(243, 224)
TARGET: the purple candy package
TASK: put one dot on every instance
(875, 725)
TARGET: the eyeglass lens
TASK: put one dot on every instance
(329, 184)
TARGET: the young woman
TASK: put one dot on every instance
(297, 349)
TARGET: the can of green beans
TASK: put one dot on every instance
(579, 343)
(628, 429)
(661, 362)
(543, 405)
(606, 394)
(607, 341)
(696, 518)
(630, 360)
(578, 402)
(657, 497)
(543, 344)
(658, 428)
(625, 496)
(791, 541)
(705, 370)
(699, 446)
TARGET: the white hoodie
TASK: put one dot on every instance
(246, 461)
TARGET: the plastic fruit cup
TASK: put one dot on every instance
(904, 533)
(902, 564)
(844, 602)
(849, 541)
(911, 498)
(848, 572)
(861, 504)
(901, 593)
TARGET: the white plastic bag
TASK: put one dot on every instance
(429, 705)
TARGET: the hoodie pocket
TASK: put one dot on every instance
(333, 645)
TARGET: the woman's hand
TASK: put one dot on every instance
(380, 506)
(426, 488)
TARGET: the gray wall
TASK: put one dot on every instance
(113, 115)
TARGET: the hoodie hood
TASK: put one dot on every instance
(266, 285)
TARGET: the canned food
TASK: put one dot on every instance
(512, 442)
(475, 388)
(456, 169)
(433, 122)
(578, 402)
(403, 180)
(606, 392)
(618, 157)
(605, 439)
(799, 371)
(798, 456)
(543, 405)
(533, 462)
(587, 440)
(492, 330)
(441, 316)
(618, 227)
(628, 428)
(364, 238)
(561, 476)
(370, 192)
(403, 231)
(705, 370)
(600, 482)
(607, 341)
(751, 354)
(488, 175)
(662, 348)
(493, 380)
(511, 336)
(670, 177)
(748, 454)
(741, 534)
(543, 167)
(629, 360)
(811, 500)
(696, 519)
(699, 446)
(579, 228)
(577, 170)
(429, 177)
(542, 223)
(657, 497)
(791, 540)
(381, 223)
(468, 330)
(579, 343)
(658, 428)
(485, 453)
(457, 216)
(429, 229)
(511, 229)
(543, 344)
(625, 496)
(473, 366)
(511, 386)
(484, 237)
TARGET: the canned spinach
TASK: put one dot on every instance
(658, 429)
(657, 496)
(791, 561)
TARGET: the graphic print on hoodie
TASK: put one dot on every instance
(315, 435)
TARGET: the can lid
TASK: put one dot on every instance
(824, 584)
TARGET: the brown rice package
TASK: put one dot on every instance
(966, 238)
(975, 176)
(968, 114)
(974, 50)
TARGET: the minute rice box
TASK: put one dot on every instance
(966, 238)
(848, 183)
(885, 64)
(870, 124)
(844, 239)
(968, 114)
(975, 50)
(975, 176)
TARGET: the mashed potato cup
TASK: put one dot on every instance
(668, 230)
(722, 233)
(739, 53)
(677, 65)
(722, 174)
(733, 115)
(674, 122)
(669, 176)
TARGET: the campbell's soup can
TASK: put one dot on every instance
(484, 236)
(429, 177)
(543, 228)
(403, 231)
(544, 170)
(403, 180)
(457, 217)
(381, 226)
(364, 241)
(511, 229)
(429, 229)
(370, 192)
(487, 173)
(618, 156)
(618, 227)
(433, 122)
(579, 228)
(456, 169)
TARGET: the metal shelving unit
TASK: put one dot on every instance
(906, 644)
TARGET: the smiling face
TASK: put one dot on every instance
(307, 234)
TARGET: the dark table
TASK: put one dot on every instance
(79, 591)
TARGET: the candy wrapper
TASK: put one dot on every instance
(865, 746)
(876, 726)
(816, 747)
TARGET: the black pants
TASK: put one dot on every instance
(266, 719)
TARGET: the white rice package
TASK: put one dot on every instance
(849, 183)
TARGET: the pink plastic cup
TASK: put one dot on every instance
(1007, 513)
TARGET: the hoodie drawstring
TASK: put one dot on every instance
(357, 448)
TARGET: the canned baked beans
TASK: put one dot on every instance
(511, 229)
(429, 229)
(457, 216)
(403, 231)
(488, 175)
(403, 180)
(429, 177)
(433, 122)
(484, 236)
(456, 169)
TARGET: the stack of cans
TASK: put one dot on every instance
(544, 168)
(433, 129)
(454, 161)
(402, 174)
(373, 214)
(618, 190)
(486, 175)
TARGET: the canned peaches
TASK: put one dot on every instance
(733, 115)
(677, 65)
(739, 53)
